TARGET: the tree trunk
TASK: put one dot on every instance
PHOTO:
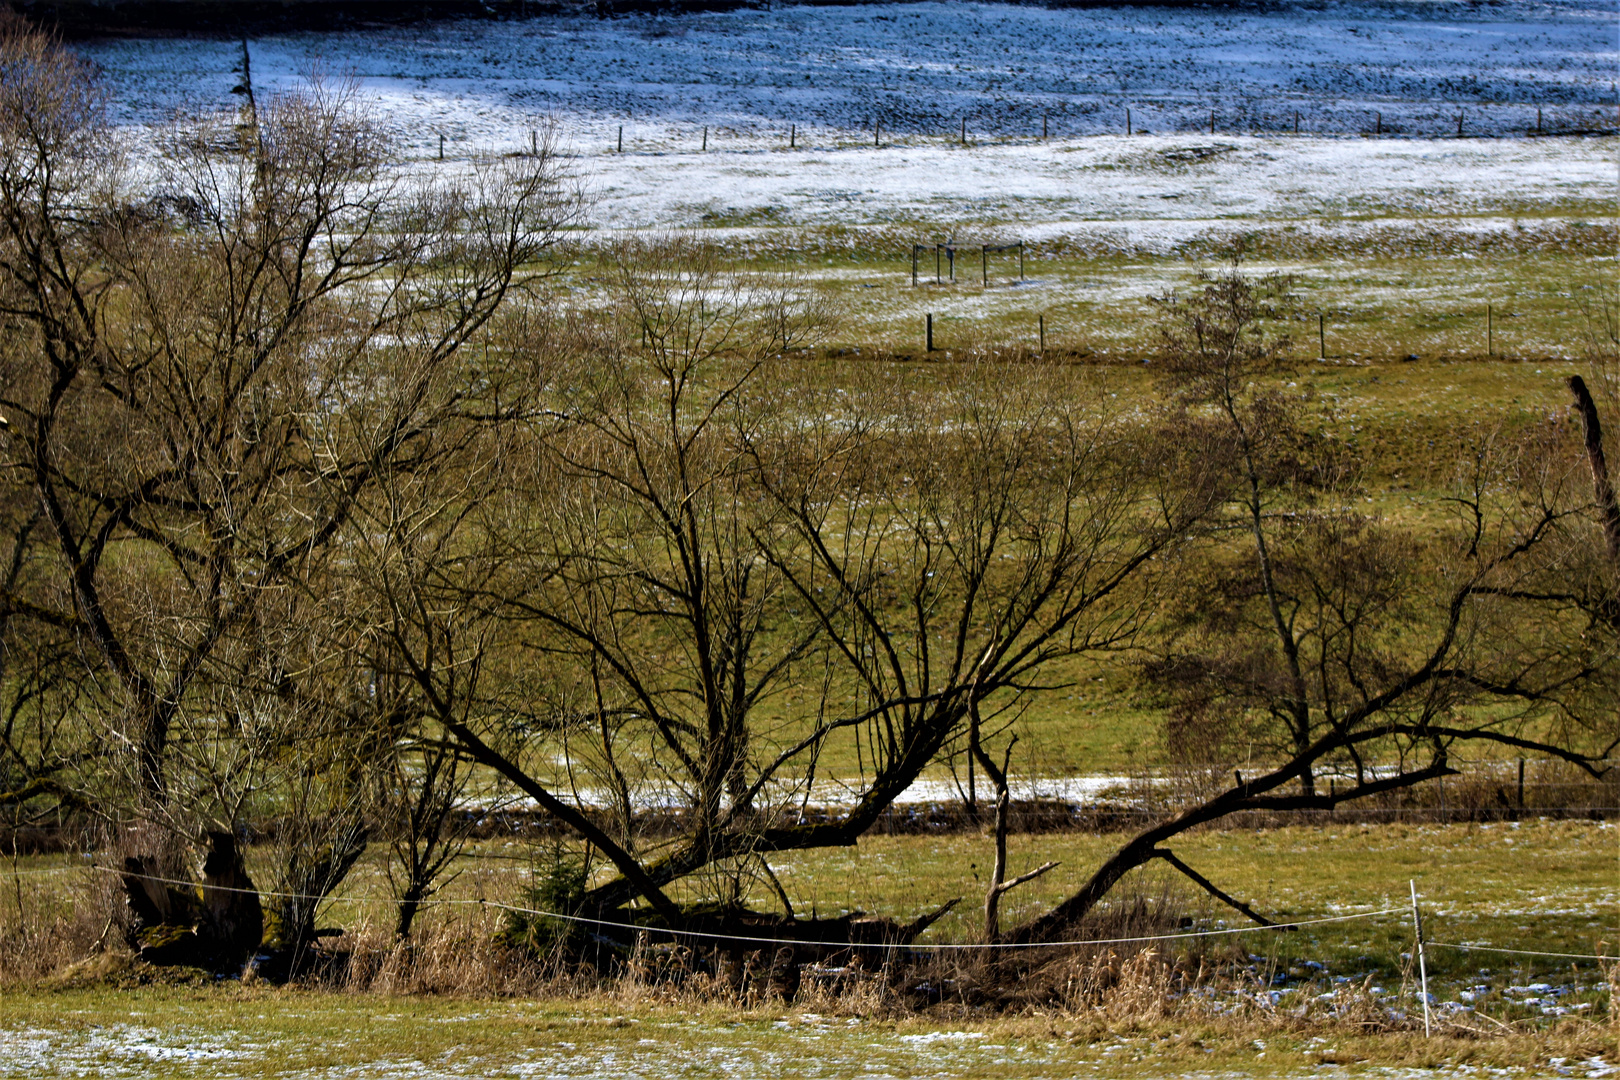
(1603, 489)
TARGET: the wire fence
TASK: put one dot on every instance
(682, 934)
(1035, 125)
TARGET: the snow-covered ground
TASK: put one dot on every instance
(827, 74)
(920, 68)
(831, 793)
(1053, 188)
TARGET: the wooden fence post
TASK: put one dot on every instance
(930, 332)
(1127, 120)
(1490, 340)
(1042, 324)
(1378, 125)
(1296, 121)
(1043, 126)
(964, 131)
(705, 136)
(793, 135)
(1321, 336)
(621, 138)
(441, 147)
(1212, 121)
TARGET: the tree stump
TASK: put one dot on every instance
(217, 925)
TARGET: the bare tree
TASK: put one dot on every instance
(984, 529)
(727, 532)
(49, 759)
(642, 556)
(209, 380)
(1309, 632)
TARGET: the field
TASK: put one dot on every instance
(1438, 184)
(754, 129)
(1538, 885)
(226, 1032)
(167, 1032)
(1443, 286)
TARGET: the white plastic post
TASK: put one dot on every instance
(1423, 965)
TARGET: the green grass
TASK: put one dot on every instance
(1539, 885)
(1410, 423)
(1388, 283)
(1545, 886)
(238, 1032)
(248, 1033)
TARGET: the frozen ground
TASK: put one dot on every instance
(1155, 189)
(919, 69)
(804, 1045)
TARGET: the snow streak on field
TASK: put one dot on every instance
(801, 1045)
(919, 69)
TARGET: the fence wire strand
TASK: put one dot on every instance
(586, 920)
(610, 923)
(1519, 952)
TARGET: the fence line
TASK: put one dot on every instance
(1520, 952)
(1439, 123)
(940, 946)
(591, 921)
(485, 904)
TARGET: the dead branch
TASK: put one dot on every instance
(1210, 887)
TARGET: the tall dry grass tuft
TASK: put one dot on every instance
(1141, 987)
(455, 954)
(63, 923)
(34, 951)
(44, 932)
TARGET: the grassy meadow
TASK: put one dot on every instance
(1540, 885)
(1537, 885)
(1418, 326)
(1388, 285)
(189, 1031)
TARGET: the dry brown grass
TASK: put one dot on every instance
(1147, 1003)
